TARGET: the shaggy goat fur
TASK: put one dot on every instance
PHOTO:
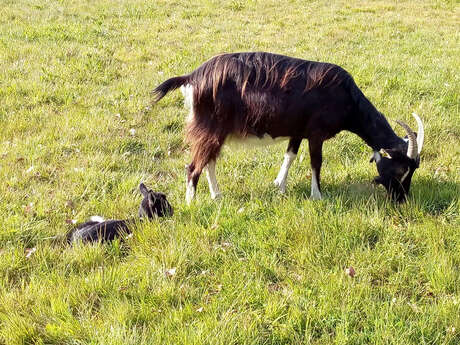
(245, 95)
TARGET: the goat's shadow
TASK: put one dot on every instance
(432, 196)
(435, 196)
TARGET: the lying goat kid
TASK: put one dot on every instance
(153, 204)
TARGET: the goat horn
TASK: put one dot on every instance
(420, 133)
(412, 150)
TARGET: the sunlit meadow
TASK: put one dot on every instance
(78, 133)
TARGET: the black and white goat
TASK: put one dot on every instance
(262, 95)
(98, 229)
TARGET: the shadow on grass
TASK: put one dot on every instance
(436, 196)
(431, 196)
(352, 193)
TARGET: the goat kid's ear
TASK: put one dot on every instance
(143, 189)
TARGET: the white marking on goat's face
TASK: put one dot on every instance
(405, 175)
(252, 141)
(281, 179)
(395, 174)
(315, 193)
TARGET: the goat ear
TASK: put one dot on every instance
(143, 189)
(397, 155)
(376, 156)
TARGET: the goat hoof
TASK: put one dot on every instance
(189, 198)
(316, 196)
(280, 185)
(216, 196)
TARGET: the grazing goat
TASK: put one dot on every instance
(262, 95)
(97, 229)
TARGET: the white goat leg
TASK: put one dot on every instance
(190, 188)
(315, 193)
(281, 179)
(212, 180)
(190, 193)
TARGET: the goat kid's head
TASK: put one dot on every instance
(396, 168)
(154, 203)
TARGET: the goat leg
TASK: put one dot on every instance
(289, 156)
(316, 159)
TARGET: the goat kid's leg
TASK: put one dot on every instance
(212, 180)
(316, 159)
(289, 156)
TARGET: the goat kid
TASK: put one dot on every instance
(262, 95)
(98, 229)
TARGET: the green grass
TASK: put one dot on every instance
(256, 267)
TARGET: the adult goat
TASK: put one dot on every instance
(263, 95)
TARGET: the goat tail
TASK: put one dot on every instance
(168, 85)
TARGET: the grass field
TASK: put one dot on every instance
(256, 267)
